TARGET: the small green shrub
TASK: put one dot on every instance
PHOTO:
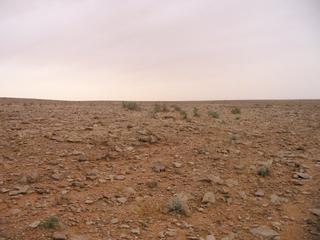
(263, 171)
(236, 110)
(176, 108)
(50, 223)
(183, 114)
(160, 108)
(196, 112)
(130, 105)
(213, 114)
(177, 205)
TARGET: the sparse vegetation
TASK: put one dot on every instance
(213, 114)
(177, 205)
(183, 114)
(196, 112)
(130, 106)
(51, 223)
(160, 108)
(176, 108)
(263, 171)
(236, 110)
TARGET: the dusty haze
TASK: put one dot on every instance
(160, 50)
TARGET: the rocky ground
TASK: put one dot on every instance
(98, 170)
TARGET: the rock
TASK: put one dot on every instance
(275, 199)
(302, 175)
(14, 211)
(264, 232)
(19, 190)
(259, 193)
(121, 200)
(129, 191)
(231, 236)
(171, 232)
(114, 221)
(79, 237)
(209, 197)
(315, 211)
(177, 165)
(210, 237)
(55, 177)
(119, 177)
(30, 178)
(59, 236)
(212, 179)
(35, 224)
(158, 167)
(231, 183)
(152, 184)
(136, 231)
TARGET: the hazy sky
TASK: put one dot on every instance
(160, 50)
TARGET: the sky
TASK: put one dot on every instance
(160, 50)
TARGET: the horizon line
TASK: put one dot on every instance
(151, 101)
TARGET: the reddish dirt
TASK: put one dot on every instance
(88, 163)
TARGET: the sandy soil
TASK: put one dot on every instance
(106, 172)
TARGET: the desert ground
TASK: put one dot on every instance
(223, 170)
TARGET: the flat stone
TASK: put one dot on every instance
(209, 197)
(121, 200)
(212, 179)
(35, 224)
(303, 175)
(19, 190)
(231, 183)
(177, 165)
(158, 167)
(259, 193)
(59, 236)
(275, 199)
(79, 237)
(119, 177)
(135, 231)
(210, 237)
(264, 232)
(114, 221)
(315, 211)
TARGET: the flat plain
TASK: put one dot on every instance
(172, 170)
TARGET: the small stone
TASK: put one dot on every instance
(177, 165)
(129, 191)
(209, 197)
(210, 237)
(212, 179)
(259, 193)
(231, 236)
(275, 199)
(55, 177)
(302, 175)
(14, 211)
(315, 211)
(59, 236)
(19, 190)
(135, 231)
(35, 224)
(122, 200)
(231, 183)
(171, 232)
(264, 232)
(158, 167)
(114, 221)
(119, 177)
(79, 237)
